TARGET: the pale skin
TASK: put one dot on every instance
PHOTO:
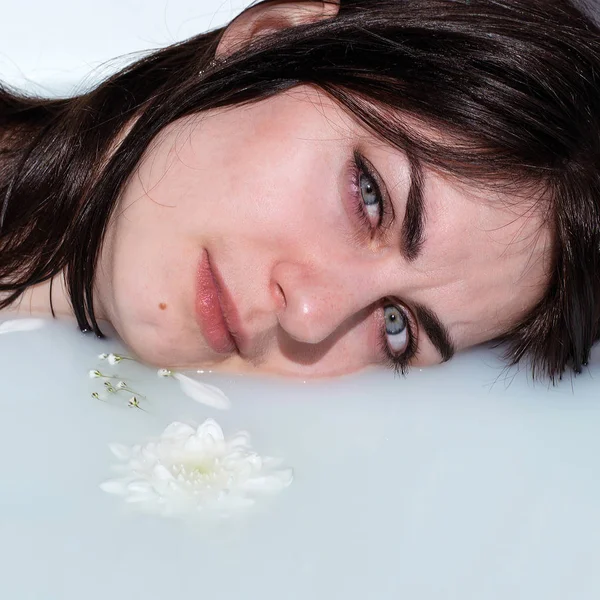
(268, 191)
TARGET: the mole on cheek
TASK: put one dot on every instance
(162, 306)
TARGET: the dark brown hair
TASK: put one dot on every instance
(512, 85)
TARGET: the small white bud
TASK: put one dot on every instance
(164, 373)
(103, 356)
(94, 374)
(114, 359)
(121, 385)
(134, 403)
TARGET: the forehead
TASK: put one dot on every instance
(489, 254)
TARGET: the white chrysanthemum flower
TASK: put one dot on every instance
(193, 471)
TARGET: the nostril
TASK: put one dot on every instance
(278, 295)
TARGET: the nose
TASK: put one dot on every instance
(313, 303)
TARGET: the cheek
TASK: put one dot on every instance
(149, 304)
(147, 280)
(272, 170)
(274, 201)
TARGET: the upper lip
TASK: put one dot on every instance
(229, 310)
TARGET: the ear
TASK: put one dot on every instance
(269, 17)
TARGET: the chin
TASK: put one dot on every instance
(158, 349)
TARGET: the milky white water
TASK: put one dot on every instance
(450, 483)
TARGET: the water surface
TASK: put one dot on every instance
(456, 482)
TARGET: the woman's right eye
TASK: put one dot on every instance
(371, 197)
(370, 203)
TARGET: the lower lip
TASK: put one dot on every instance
(208, 310)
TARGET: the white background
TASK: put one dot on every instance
(56, 44)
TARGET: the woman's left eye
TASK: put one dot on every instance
(396, 329)
(398, 339)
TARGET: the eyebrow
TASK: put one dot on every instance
(413, 236)
(413, 226)
(436, 331)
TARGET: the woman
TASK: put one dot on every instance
(321, 187)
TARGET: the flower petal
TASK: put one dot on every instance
(140, 487)
(203, 392)
(162, 473)
(269, 484)
(137, 499)
(121, 451)
(114, 486)
(178, 430)
(270, 463)
(240, 440)
(210, 428)
(15, 325)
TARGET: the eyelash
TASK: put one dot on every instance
(399, 363)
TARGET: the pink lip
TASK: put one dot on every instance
(209, 310)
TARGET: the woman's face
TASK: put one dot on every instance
(250, 239)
